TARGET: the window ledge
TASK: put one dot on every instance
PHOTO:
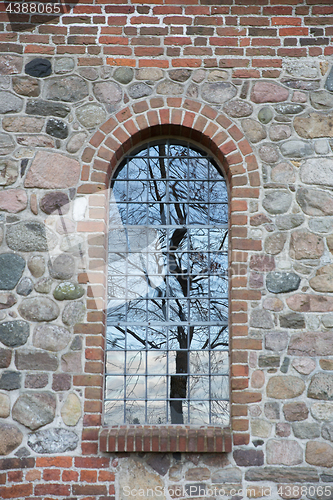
(165, 439)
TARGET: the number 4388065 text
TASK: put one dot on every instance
(33, 8)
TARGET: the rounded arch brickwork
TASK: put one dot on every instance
(171, 116)
(215, 132)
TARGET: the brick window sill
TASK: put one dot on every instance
(165, 439)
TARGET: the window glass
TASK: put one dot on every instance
(167, 316)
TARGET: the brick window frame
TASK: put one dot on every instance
(212, 131)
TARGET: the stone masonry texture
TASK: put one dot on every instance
(81, 85)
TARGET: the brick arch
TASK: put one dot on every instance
(135, 124)
(157, 117)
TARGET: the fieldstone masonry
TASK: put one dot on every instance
(252, 83)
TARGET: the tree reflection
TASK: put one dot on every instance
(167, 331)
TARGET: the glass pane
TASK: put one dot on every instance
(135, 362)
(199, 413)
(218, 213)
(114, 413)
(115, 362)
(219, 362)
(115, 338)
(200, 337)
(219, 337)
(157, 412)
(157, 338)
(156, 388)
(135, 337)
(135, 412)
(199, 387)
(114, 387)
(199, 362)
(198, 213)
(220, 387)
(135, 387)
(157, 362)
(220, 412)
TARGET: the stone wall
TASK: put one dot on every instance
(251, 82)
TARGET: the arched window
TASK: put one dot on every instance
(167, 316)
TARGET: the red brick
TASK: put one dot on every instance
(93, 393)
(46, 28)
(238, 205)
(87, 380)
(51, 475)
(254, 178)
(322, 10)
(99, 20)
(107, 30)
(245, 9)
(199, 10)
(254, 21)
(56, 489)
(294, 31)
(328, 51)
(88, 476)
(66, 49)
(268, 42)
(119, 9)
(177, 40)
(279, 10)
(227, 31)
(149, 63)
(239, 371)
(234, 63)
(165, 10)
(14, 476)
(246, 294)
(223, 41)
(16, 491)
(38, 49)
(97, 139)
(271, 73)
(180, 20)
(240, 439)
(286, 21)
(24, 38)
(89, 489)
(62, 462)
(249, 344)
(148, 51)
(186, 63)
(315, 51)
(292, 52)
(260, 51)
(240, 425)
(245, 244)
(246, 397)
(105, 475)
(70, 476)
(86, 9)
(117, 20)
(120, 62)
(267, 63)
(117, 50)
(113, 40)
